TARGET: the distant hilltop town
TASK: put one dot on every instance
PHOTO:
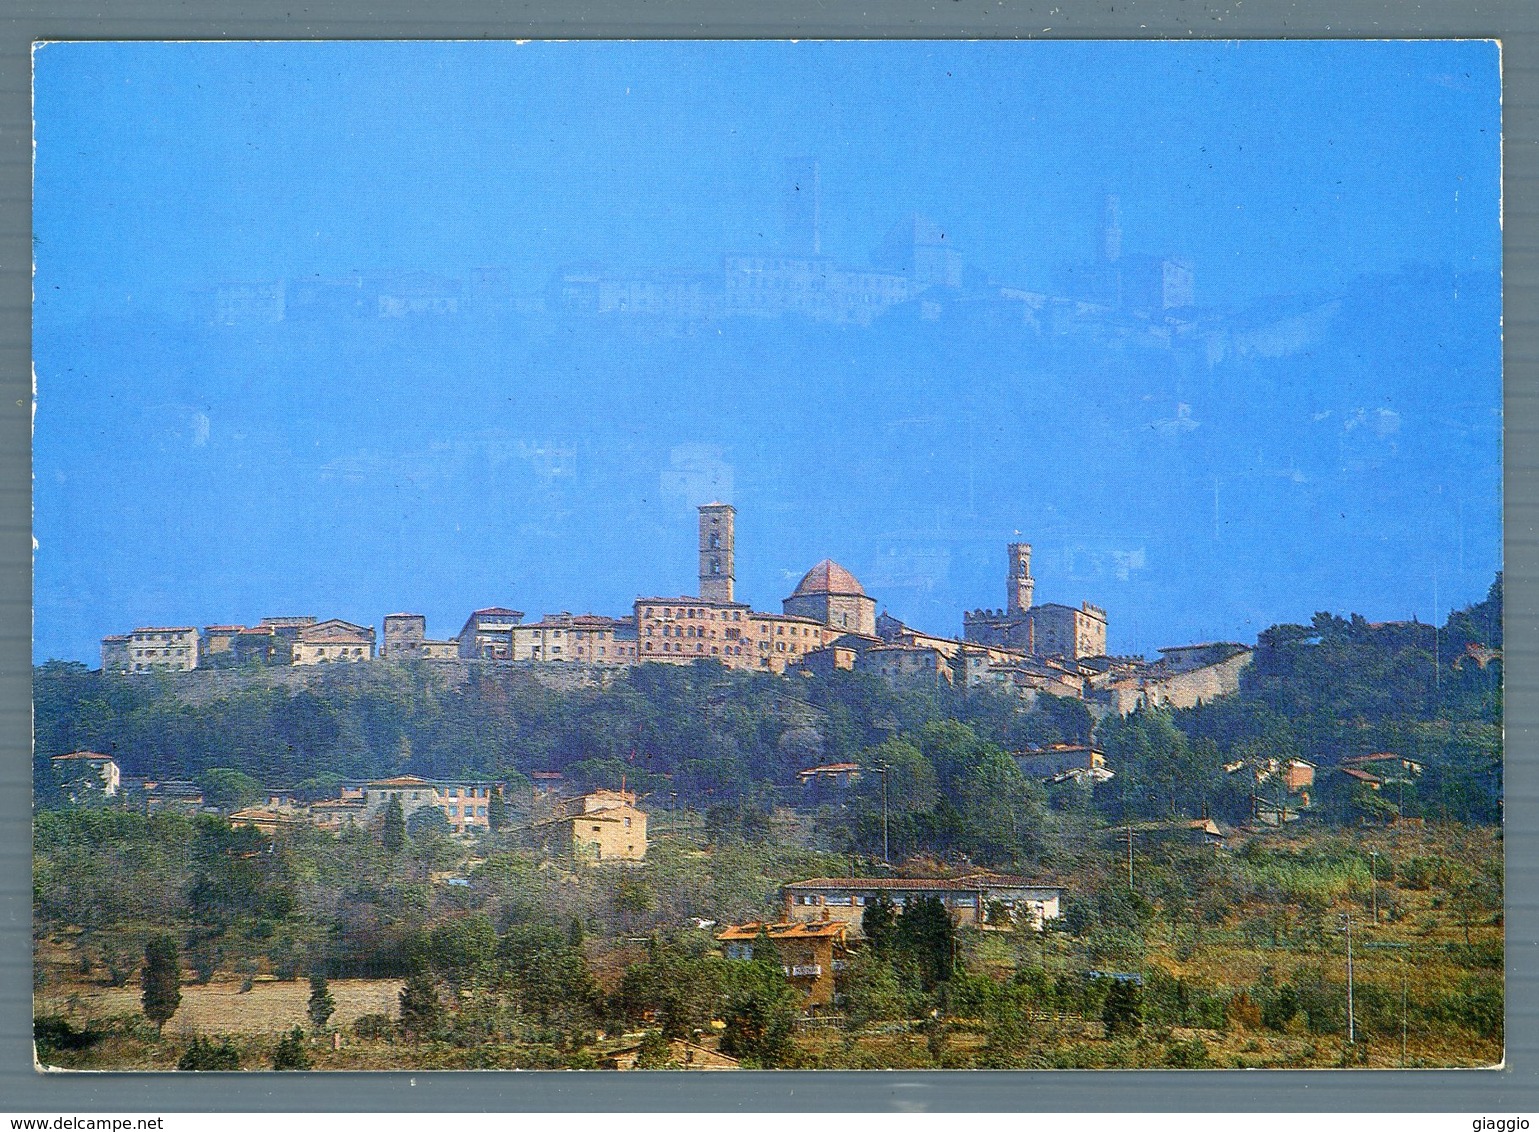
(828, 623)
(1112, 296)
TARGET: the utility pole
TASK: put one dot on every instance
(1351, 1021)
(1128, 833)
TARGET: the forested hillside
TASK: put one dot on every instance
(705, 737)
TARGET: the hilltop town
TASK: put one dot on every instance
(829, 622)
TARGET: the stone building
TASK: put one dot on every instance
(585, 638)
(261, 644)
(333, 642)
(831, 594)
(600, 827)
(406, 639)
(1183, 677)
(219, 643)
(116, 652)
(465, 805)
(160, 648)
(970, 899)
(1049, 630)
(405, 635)
(282, 633)
(488, 634)
(680, 630)
(85, 774)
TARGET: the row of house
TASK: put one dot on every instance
(828, 623)
(599, 826)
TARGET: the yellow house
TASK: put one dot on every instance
(601, 827)
(809, 953)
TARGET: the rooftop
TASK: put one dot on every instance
(828, 577)
(971, 883)
(796, 930)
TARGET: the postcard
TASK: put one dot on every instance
(1109, 674)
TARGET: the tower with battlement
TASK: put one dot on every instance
(1050, 630)
(716, 576)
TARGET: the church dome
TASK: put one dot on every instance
(828, 577)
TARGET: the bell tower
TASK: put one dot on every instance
(1021, 585)
(716, 577)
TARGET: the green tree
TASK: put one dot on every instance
(321, 1006)
(229, 789)
(878, 923)
(161, 980)
(459, 949)
(290, 1052)
(655, 1052)
(761, 1009)
(871, 990)
(421, 1011)
(496, 811)
(546, 976)
(925, 933)
(1123, 1012)
(426, 822)
(393, 836)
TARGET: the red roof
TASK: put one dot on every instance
(499, 611)
(828, 577)
(402, 780)
(835, 930)
(922, 884)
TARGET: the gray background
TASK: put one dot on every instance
(1513, 1089)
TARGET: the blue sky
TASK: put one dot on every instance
(1338, 198)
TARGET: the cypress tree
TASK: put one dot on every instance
(394, 835)
(162, 981)
(321, 1005)
(420, 1008)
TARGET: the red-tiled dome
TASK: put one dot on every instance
(828, 577)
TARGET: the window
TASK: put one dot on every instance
(627, 823)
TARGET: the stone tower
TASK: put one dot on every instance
(716, 575)
(1020, 578)
(1111, 231)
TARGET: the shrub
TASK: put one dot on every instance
(53, 1033)
(291, 1052)
(1123, 1012)
(374, 1027)
(1280, 1008)
(655, 1052)
(1187, 1055)
(203, 1055)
